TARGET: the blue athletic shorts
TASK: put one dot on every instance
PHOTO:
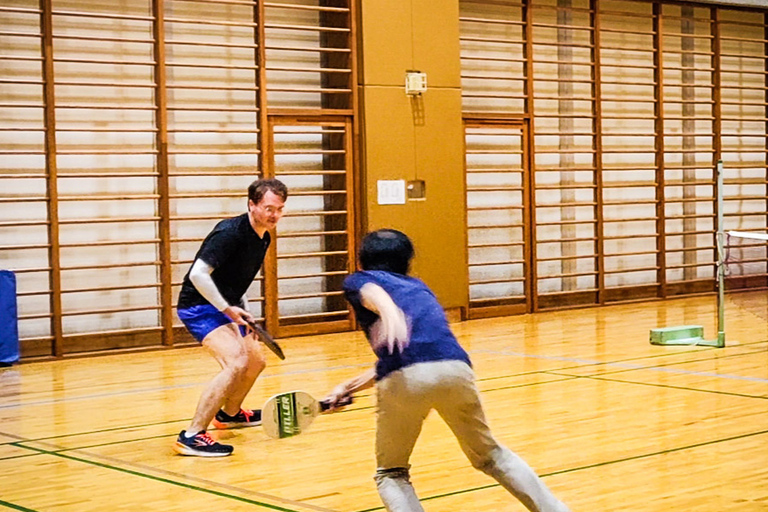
(201, 320)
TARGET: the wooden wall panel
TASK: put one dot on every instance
(630, 105)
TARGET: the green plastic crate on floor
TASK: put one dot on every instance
(680, 335)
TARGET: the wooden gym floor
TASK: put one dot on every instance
(610, 421)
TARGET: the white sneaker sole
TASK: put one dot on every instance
(183, 449)
(223, 426)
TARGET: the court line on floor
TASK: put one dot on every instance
(487, 379)
(18, 438)
(565, 377)
(569, 368)
(180, 484)
(59, 453)
(666, 367)
(592, 466)
(43, 440)
(24, 456)
(623, 365)
(670, 386)
(166, 388)
(363, 365)
(88, 432)
(268, 376)
(15, 507)
(204, 481)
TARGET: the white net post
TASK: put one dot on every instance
(720, 242)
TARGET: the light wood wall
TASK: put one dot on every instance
(417, 138)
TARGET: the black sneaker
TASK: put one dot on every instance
(201, 445)
(244, 418)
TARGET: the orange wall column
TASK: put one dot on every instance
(421, 138)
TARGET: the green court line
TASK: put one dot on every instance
(114, 429)
(99, 431)
(565, 378)
(486, 379)
(111, 443)
(160, 479)
(592, 466)
(20, 440)
(13, 457)
(59, 453)
(666, 365)
(126, 441)
(700, 350)
(550, 372)
(669, 386)
(15, 507)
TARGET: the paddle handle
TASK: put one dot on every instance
(325, 406)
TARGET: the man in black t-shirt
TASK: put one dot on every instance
(214, 308)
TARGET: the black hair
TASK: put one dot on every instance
(259, 188)
(386, 249)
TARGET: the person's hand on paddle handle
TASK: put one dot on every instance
(341, 395)
(336, 399)
(239, 315)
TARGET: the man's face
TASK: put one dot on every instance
(268, 212)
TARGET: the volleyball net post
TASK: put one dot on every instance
(694, 334)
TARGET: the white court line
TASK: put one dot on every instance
(625, 366)
(162, 388)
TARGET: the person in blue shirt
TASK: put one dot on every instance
(421, 366)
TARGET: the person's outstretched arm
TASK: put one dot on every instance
(347, 388)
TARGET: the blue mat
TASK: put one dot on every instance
(9, 320)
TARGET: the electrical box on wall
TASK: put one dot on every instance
(416, 190)
(415, 83)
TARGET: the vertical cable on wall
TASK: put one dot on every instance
(49, 114)
(717, 123)
(261, 90)
(566, 144)
(597, 146)
(658, 59)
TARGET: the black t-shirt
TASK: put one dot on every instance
(236, 253)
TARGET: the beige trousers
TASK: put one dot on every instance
(406, 397)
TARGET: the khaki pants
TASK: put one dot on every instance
(405, 397)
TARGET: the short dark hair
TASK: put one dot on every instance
(259, 188)
(386, 249)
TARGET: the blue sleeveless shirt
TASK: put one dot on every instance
(431, 338)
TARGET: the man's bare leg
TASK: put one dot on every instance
(229, 349)
(256, 364)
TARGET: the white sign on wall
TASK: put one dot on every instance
(391, 191)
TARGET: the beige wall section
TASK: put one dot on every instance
(404, 138)
(436, 42)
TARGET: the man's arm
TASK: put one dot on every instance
(200, 275)
(363, 381)
(392, 328)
